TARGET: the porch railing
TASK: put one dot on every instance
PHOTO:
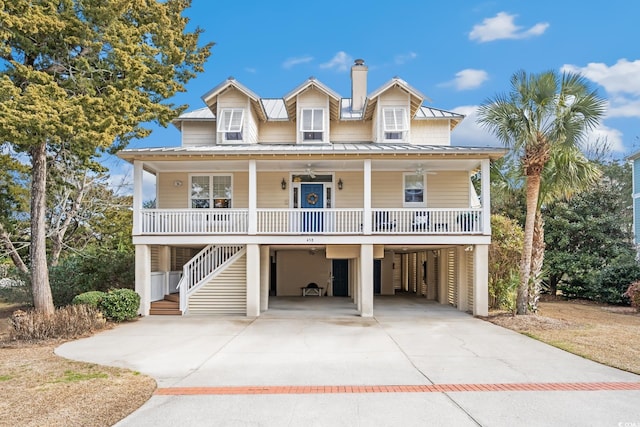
(313, 221)
(194, 221)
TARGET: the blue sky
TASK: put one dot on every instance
(458, 54)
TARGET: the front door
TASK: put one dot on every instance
(377, 276)
(312, 197)
(340, 278)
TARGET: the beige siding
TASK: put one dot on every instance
(430, 132)
(224, 294)
(180, 256)
(296, 269)
(448, 190)
(270, 194)
(277, 132)
(155, 258)
(386, 190)
(240, 190)
(198, 133)
(387, 275)
(251, 126)
(351, 131)
(171, 196)
(351, 194)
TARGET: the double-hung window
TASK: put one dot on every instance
(394, 121)
(211, 191)
(230, 124)
(312, 124)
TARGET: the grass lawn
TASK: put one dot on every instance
(605, 334)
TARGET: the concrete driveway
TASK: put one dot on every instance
(313, 362)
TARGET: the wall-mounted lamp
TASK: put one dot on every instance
(283, 184)
(177, 183)
(340, 184)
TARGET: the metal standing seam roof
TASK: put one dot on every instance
(275, 110)
(363, 148)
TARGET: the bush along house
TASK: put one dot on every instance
(359, 197)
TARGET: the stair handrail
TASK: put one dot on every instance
(201, 266)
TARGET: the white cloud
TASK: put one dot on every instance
(469, 133)
(340, 62)
(613, 137)
(622, 77)
(405, 57)
(502, 26)
(292, 62)
(250, 70)
(621, 82)
(468, 79)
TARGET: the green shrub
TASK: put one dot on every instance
(503, 292)
(633, 293)
(93, 270)
(92, 298)
(504, 257)
(72, 321)
(120, 304)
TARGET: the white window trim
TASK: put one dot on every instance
(228, 126)
(312, 128)
(424, 192)
(395, 126)
(211, 198)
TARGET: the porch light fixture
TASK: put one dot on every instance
(177, 183)
(283, 184)
(340, 184)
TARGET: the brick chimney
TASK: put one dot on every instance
(358, 85)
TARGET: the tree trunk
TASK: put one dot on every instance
(42, 299)
(537, 261)
(11, 250)
(533, 191)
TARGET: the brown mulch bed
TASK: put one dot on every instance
(39, 388)
(605, 334)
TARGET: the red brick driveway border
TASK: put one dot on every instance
(425, 388)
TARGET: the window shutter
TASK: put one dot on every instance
(231, 120)
(394, 119)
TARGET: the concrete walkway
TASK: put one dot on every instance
(306, 360)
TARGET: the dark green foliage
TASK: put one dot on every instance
(93, 270)
(120, 304)
(504, 257)
(92, 298)
(589, 251)
(72, 321)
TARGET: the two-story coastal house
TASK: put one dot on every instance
(361, 196)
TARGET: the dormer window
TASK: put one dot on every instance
(312, 124)
(230, 124)
(394, 123)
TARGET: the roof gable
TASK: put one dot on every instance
(290, 99)
(416, 97)
(211, 98)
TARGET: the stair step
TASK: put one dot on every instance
(165, 304)
(165, 312)
(172, 297)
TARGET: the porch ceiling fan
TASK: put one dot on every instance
(420, 170)
(309, 171)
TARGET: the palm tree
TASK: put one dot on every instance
(544, 114)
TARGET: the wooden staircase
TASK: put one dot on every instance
(169, 306)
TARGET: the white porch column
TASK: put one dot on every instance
(366, 202)
(366, 280)
(265, 267)
(143, 278)
(486, 196)
(164, 265)
(253, 199)
(481, 280)
(442, 280)
(461, 275)
(137, 196)
(253, 280)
